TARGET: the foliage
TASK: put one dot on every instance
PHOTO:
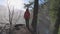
(54, 13)
(54, 4)
(29, 5)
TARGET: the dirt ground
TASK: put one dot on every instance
(22, 30)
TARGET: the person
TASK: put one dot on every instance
(27, 16)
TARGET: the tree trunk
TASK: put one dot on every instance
(35, 14)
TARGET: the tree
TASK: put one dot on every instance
(35, 14)
(10, 18)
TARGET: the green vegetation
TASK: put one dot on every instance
(59, 31)
(54, 13)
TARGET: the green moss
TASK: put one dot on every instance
(59, 31)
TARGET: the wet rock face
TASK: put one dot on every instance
(22, 30)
